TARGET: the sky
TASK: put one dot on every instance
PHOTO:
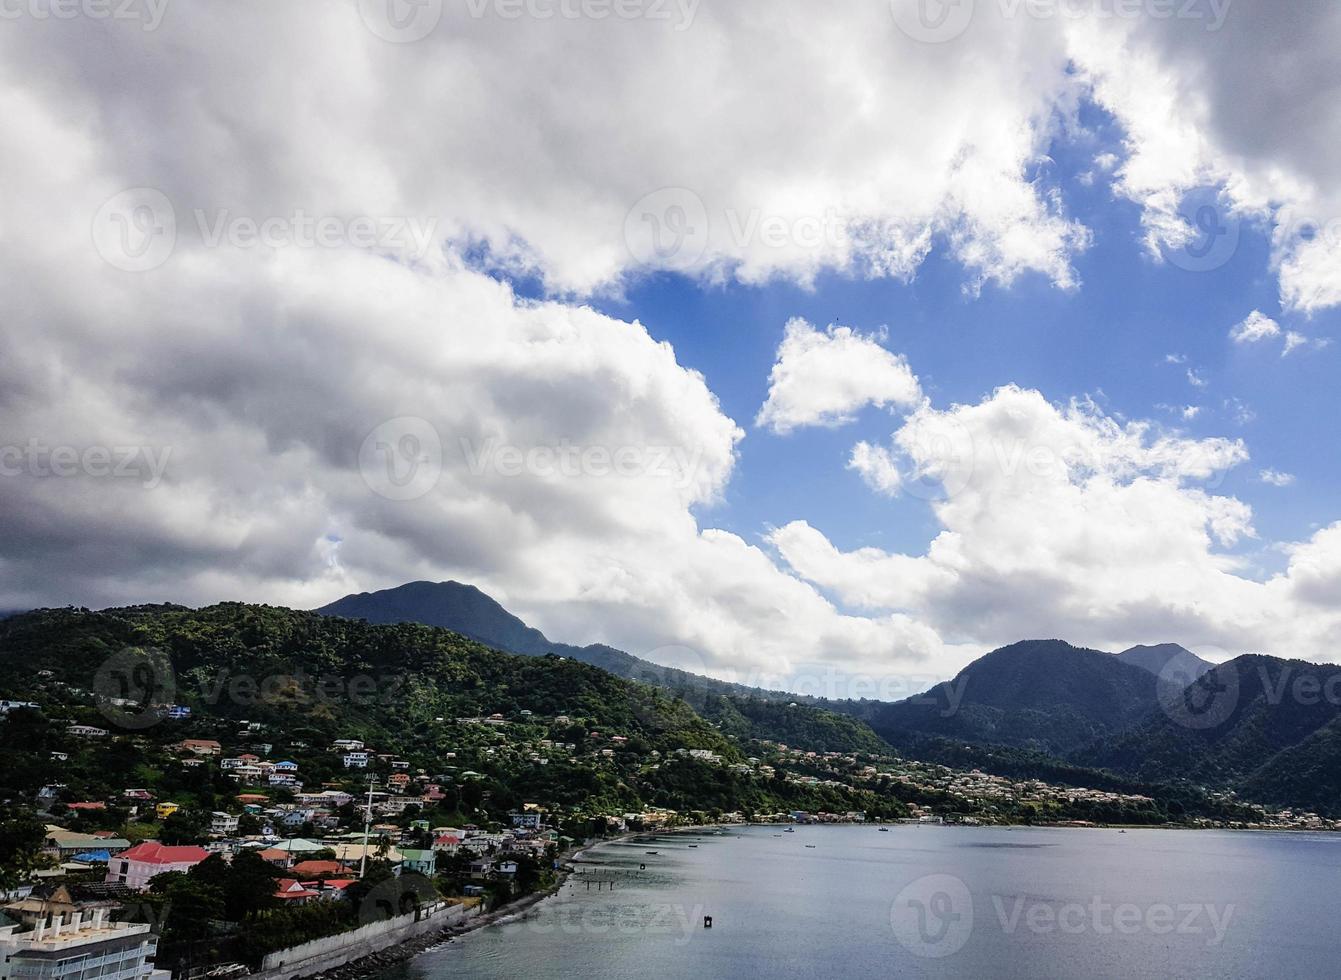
(818, 346)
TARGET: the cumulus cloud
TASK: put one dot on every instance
(1058, 520)
(1276, 478)
(309, 336)
(877, 468)
(824, 377)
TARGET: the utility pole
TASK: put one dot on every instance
(367, 826)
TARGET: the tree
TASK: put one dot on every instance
(183, 827)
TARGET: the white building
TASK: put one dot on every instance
(134, 868)
(222, 823)
(76, 945)
(356, 760)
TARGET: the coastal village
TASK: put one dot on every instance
(322, 820)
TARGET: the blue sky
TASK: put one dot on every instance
(308, 416)
(1108, 339)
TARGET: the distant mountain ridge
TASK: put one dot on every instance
(735, 708)
(1138, 713)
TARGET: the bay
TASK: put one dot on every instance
(921, 901)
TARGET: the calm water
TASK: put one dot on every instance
(929, 902)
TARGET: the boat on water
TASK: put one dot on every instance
(884, 830)
(790, 830)
(810, 845)
(651, 852)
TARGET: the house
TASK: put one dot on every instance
(134, 868)
(165, 810)
(355, 760)
(78, 944)
(7, 706)
(178, 712)
(199, 746)
(398, 781)
(286, 766)
(318, 870)
(347, 745)
(87, 806)
(64, 844)
(418, 861)
(506, 868)
(447, 843)
(293, 892)
(281, 859)
(525, 820)
(136, 794)
(223, 823)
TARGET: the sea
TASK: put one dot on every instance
(856, 901)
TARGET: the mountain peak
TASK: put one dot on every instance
(1167, 659)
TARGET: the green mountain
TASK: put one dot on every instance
(1040, 695)
(745, 711)
(1256, 723)
(418, 693)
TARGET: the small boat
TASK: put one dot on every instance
(884, 830)
(651, 852)
(810, 845)
(790, 830)
(693, 845)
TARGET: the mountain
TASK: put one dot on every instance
(744, 711)
(418, 693)
(1041, 695)
(1167, 660)
(1261, 724)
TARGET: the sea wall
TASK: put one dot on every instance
(335, 951)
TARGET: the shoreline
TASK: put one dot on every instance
(368, 967)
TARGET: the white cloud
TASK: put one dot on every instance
(824, 377)
(1060, 521)
(1254, 327)
(1276, 478)
(1196, 379)
(877, 468)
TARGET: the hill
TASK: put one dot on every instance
(1041, 695)
(737, 708)
(441, 702)
(1256, 722)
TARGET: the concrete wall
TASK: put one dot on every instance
(345, 947)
